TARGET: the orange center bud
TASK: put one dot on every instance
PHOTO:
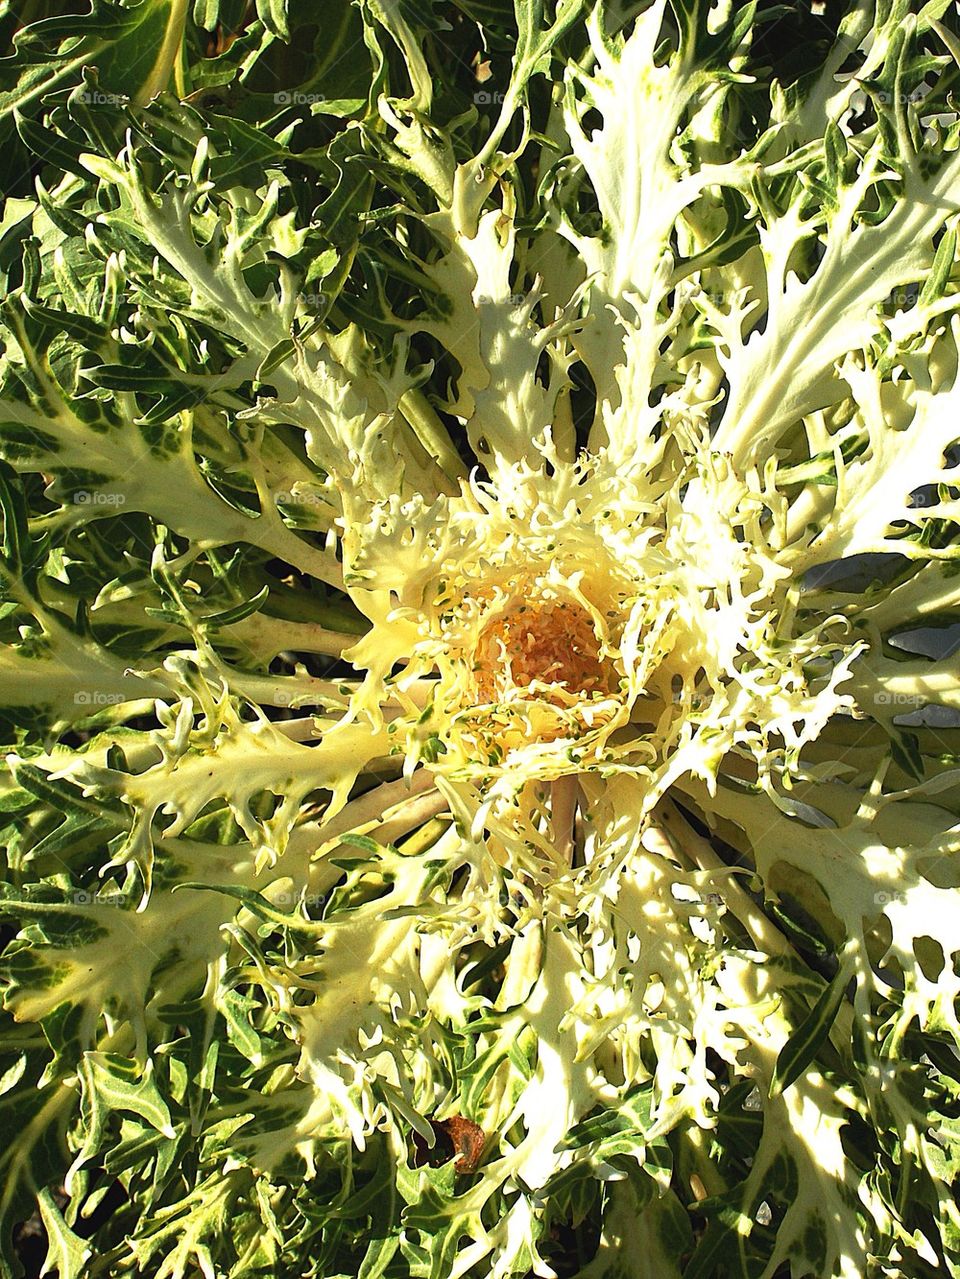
(547, 647)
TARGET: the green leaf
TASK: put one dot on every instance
(67, 1253)
(905, 752)
(81, 327)
(802, 1046)
(113, 1083)
(50, 147)
(134, 50)
(273, 15)
(33, 1123)
(230, 616)
(236, 1010)
(934, 286)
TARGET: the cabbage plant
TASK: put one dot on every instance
(479, 582)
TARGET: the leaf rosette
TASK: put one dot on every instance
(572, 618)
